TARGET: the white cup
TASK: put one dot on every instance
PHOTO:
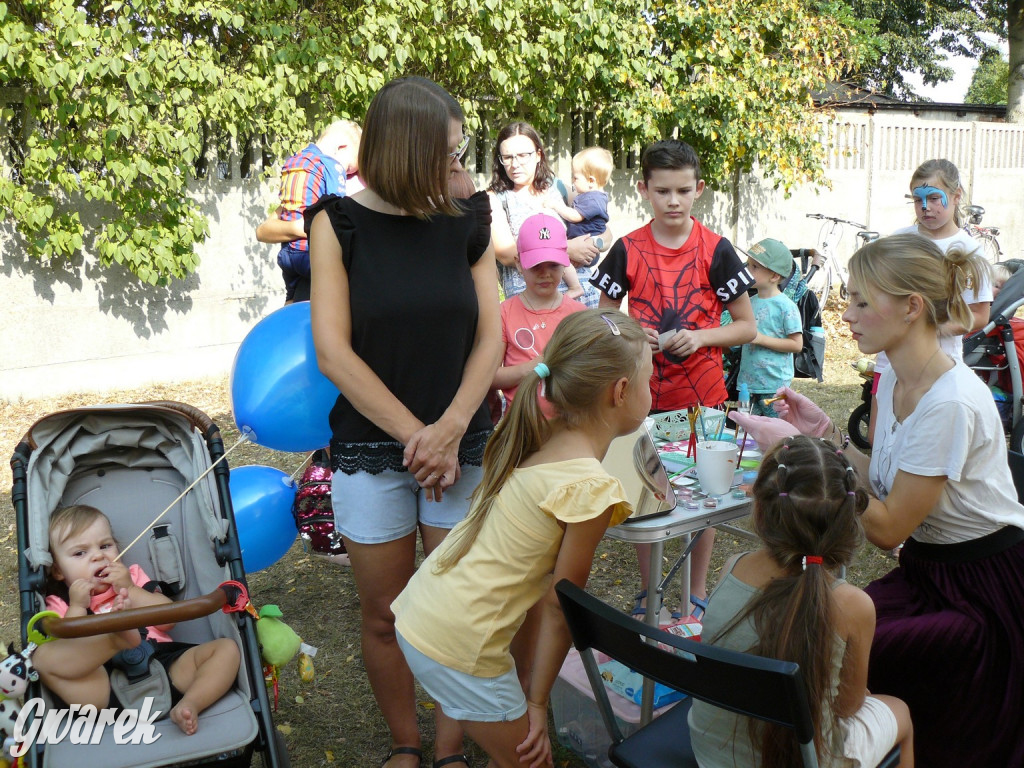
(717, 461)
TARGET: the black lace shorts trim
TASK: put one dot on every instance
(386, 455)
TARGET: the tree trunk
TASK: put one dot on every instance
(1015, 81)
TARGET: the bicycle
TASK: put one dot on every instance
(825, 269)
(986, 236)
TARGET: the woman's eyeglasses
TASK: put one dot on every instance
(520, 158)
(460, 151)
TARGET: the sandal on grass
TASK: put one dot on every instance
(451, 759)
(417, 753)
(638, 609)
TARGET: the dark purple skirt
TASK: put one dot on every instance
(950, 643)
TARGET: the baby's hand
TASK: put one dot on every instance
(80, 592)
(547, 202)
(116, 575)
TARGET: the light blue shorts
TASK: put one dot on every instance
(467, 697)
(373, 509)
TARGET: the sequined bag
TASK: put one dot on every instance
(314, 515)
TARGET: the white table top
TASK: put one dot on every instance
(681, 521)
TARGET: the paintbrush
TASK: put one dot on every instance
(721, 429)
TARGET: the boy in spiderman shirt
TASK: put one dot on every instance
(677, 277)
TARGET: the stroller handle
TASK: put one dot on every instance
(134, 618)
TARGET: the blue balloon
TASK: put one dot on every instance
(262, 498)
(278, 395)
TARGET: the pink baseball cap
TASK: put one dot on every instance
(542, 238)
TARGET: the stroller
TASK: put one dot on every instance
(996, 353)
(131, 461)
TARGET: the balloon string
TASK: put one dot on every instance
(244, 438)
(302, 466)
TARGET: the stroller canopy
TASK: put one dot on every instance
(151, 435)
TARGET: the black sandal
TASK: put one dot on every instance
(402, 751)
(451, 759)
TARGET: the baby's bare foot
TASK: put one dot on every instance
(127, 638)
(183, 717)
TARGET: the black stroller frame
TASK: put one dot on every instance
(224, 549)
(996, 339)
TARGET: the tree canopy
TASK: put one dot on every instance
(988, 84)
(915, 37)
(119, 103)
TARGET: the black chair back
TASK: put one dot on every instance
(766, 689)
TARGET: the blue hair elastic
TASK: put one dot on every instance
(542, 370)
(922, 193)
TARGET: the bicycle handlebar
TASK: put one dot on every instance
(836, 220)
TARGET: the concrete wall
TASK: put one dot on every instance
(74, 327)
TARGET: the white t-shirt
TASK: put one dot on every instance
(951, 345)
(954, 431)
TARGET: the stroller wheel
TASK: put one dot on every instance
(858, 425)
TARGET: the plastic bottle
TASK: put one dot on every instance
(744, 398)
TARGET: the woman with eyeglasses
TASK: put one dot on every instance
(406, 324)
(520, 182)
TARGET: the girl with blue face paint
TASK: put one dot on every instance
(936, 194)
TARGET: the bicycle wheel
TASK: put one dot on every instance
(990, 250)
(821, 283)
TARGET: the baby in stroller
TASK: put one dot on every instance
(87, 577)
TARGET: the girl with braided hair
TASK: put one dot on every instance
(784, 601)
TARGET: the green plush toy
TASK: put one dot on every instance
(278, 642)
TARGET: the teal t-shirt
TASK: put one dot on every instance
(765, 370)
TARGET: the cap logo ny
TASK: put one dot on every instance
(544, 234)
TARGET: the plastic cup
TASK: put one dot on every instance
(716, 466)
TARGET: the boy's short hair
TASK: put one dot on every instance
(350, 130)
(669, 155)
(596, 162)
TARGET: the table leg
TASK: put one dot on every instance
(651, 617)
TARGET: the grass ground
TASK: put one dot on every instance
(333, 721)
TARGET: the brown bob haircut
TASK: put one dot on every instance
(404, 154)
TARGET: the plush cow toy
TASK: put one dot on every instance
(16, 672)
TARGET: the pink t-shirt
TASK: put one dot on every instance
(104, 601)
(526, 332)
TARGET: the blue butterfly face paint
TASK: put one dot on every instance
(923, 193)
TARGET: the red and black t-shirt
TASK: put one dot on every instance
(673, 289)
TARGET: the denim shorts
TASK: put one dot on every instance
(374, 509)
(463, 696)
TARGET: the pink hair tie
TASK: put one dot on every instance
(812, 559)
